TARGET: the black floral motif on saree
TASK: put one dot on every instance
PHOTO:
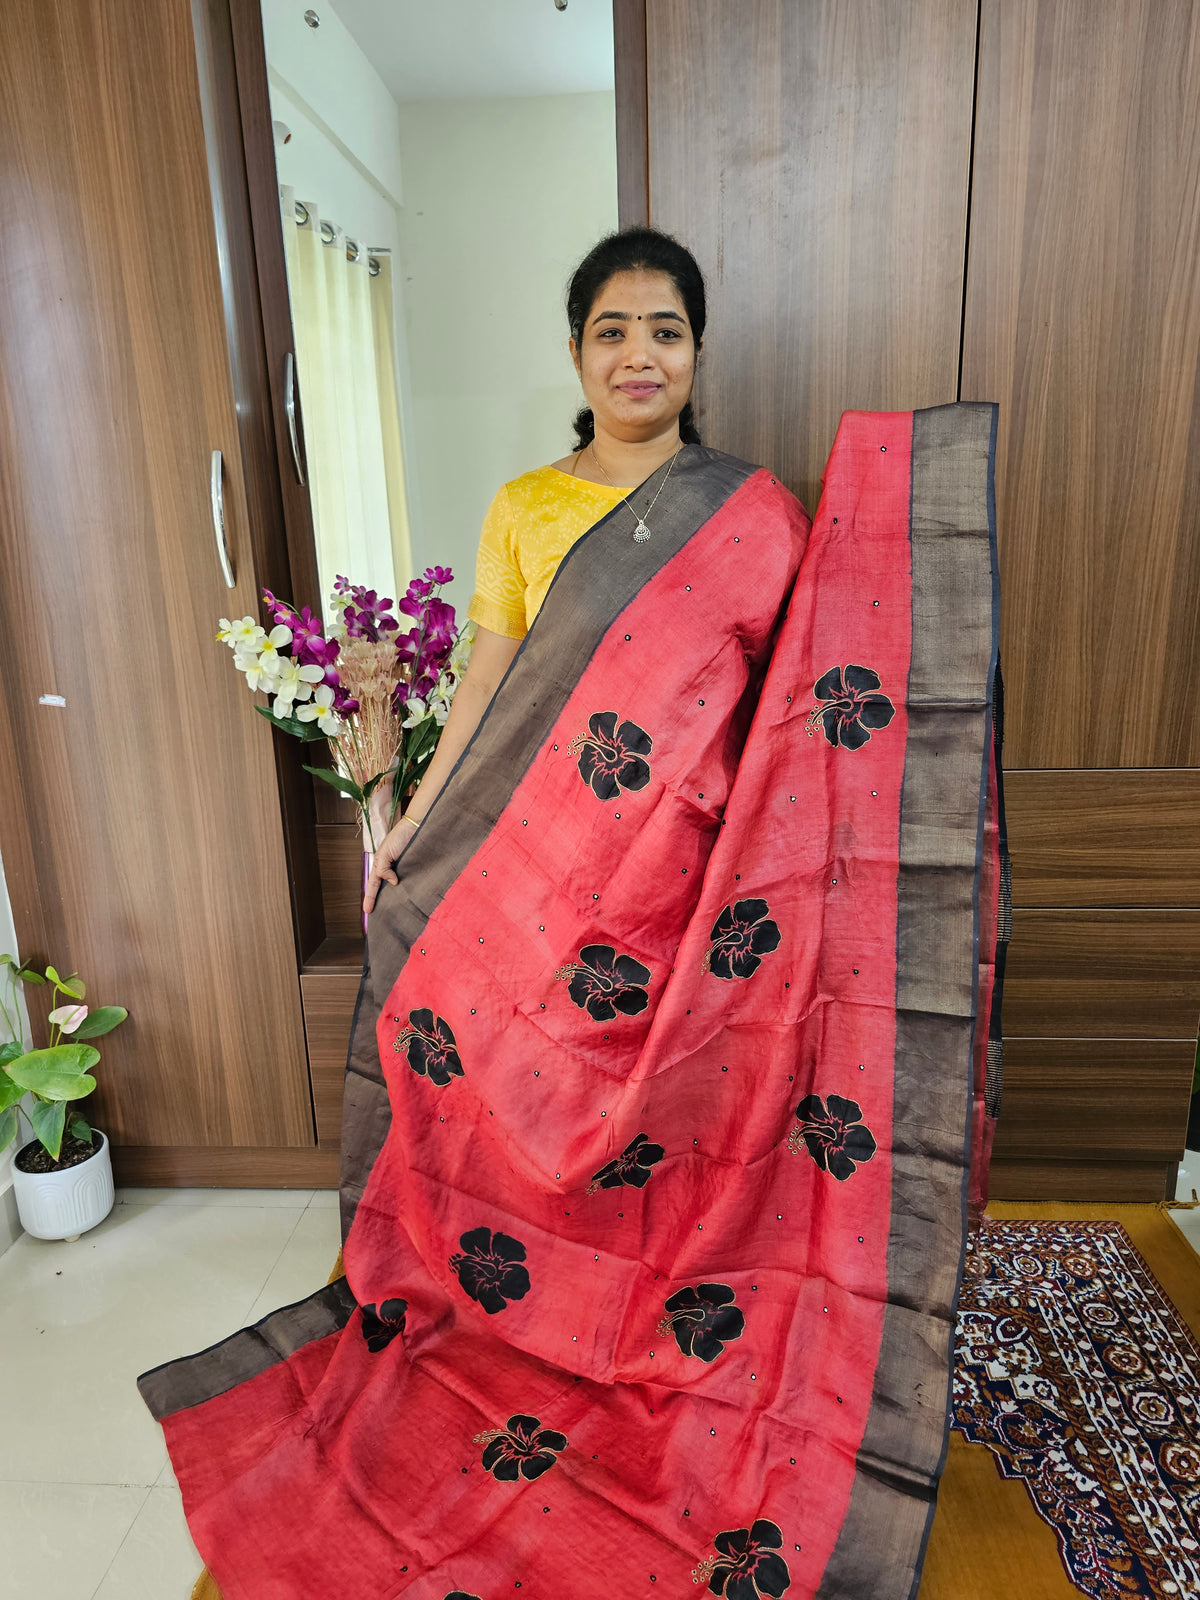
(612, 755)
(428, 1043)
(381, 1323)
(461, 1594)
(604, 983)
(748, 1564)
(849, 709)
(522, 1449)
(741, 936)
(703, 1319)
(836, 1137)
(489, 1268)
(631, 1167)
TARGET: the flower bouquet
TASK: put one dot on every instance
(380, 696)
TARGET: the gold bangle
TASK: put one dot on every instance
(412, 820)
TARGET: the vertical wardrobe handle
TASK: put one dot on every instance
(217, 496)
(289, 406)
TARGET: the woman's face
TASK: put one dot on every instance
(637, 359)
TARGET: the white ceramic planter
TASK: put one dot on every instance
(62, 1205)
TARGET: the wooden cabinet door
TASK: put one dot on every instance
(140, 817)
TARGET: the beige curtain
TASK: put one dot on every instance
(344, 330)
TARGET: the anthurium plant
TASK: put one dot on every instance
(60, 1075)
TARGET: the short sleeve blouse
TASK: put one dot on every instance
(529, 527)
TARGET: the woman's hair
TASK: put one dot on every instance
(635, 250)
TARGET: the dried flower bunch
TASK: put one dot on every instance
(379, 695)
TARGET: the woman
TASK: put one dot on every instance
(636, 312)
(667, 1076)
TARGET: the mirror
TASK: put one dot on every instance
(442, 170)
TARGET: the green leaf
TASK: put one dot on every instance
(335, 778)
(59, 1073)
(10, 1050)
(54, 977)
(28, 975)
(74, 986)
(9, 1123)
(308, 731)
(10, 1092)
(372, 784)
(7, 961)
(102, 1020)
(81, 1129)
(47, 1122)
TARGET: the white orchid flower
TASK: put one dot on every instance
(294, 682)
(320, 710)
(262, 671)
(243, 635)
(68, 1018)
(417, 712)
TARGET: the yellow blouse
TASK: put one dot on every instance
(529, 527)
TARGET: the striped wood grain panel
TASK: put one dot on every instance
(816, 160)
(1083, 321)
(1132, 974)
(1122, 837)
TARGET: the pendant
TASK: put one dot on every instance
(641, 533)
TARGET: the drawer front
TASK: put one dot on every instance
(1076, 974)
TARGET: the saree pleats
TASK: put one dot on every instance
(668, 1084)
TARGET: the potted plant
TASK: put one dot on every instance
(62, 1178)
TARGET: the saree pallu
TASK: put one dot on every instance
(667, 1082)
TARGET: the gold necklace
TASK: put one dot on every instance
(641, 533)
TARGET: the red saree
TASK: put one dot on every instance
(666, 1083)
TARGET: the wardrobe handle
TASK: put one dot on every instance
(289, 406)
(217, 496)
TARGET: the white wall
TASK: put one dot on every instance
(9, 1225)
(502, 199)
(344, 153)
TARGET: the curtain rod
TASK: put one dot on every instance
(329, 236)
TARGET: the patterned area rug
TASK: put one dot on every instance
(1079, 1375)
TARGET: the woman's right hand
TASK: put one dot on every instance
(389, 852)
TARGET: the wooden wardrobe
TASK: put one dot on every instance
(901, 203)
(898, 203)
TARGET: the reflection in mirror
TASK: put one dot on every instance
(442, 169)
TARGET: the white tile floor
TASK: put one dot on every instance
(88, 1504)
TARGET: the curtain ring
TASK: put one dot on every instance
(328, 233)
(302, 217)
(373, 266)
(351, 250)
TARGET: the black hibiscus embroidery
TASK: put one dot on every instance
(522, 1449)
(603, 983)
(849, 710)
(703, 1319)
(612, 755)
(631, 1167)
(741, 936)
(489, 1268)
(381, 1323)
(748, 1565)
(836, 1137)
(461, 1594)
(428, 1043)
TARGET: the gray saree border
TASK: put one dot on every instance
(192, 1379)
(880, 1549)
(596, 580)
